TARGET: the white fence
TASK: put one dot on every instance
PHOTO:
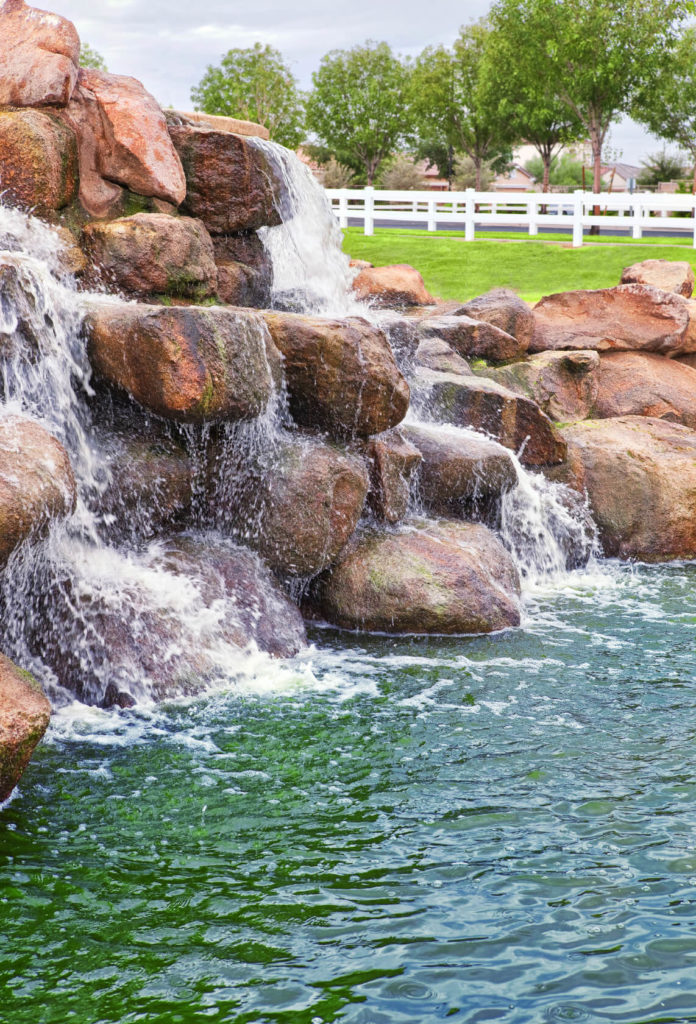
(499, 210)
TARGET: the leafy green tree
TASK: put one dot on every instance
(564, 170)
(356, 108)
(400, 173)
(662, 166)
(455, 106)
(89, 58)
(254, 84)
(667, 107)
(466, 174)
(596, 55)
(337, 175)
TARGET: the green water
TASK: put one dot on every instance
(485, 829)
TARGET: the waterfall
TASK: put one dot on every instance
(311, 274)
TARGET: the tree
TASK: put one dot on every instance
(356, 106)
(596, 55)
(668, 107)
(662, 166)
(254, 84)
(89, 58)
(336, 175)
(401, 173)
(564, 170)
(525, 91)
(455, 106)
(466, 174)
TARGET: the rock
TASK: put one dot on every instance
(462, 472)
(231, 185)
(184, 363)
(38, 58)
(221, 124)
(71, 257)
(640, 476)
(397, 285)
(514, 421)
(152, 253)
(435, 354)
(150, 487)
(245, 271)
(341, 374)
(361, 264)
(36, 482)
(38, 159)
(135, 149)
(310, 502)
(630, 317)
(98, 197)
(429, 578)
(24, 716)
(505, 310)
(642, 384)
(476, 339)
(563, 384)
(402, 335)
(669, 275)
(171, 627)
(393, 461)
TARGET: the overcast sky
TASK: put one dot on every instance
(168, 44)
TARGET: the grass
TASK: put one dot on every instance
(455, 269)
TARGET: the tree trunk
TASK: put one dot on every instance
(477, 165)
(546, 159)
(693, 183)
(596, 174)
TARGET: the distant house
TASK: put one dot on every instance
(620, 177)
(515, 179)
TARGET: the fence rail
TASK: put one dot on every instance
(533, 210)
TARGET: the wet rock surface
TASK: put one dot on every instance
(24, 718)
(393, 462)
(474, 339)
(441, 577)
(38, 159)
(397, 285)
(563, 384)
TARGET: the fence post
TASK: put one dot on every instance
(432, 225)
(578, 205)
(637, 226)
(470, 221)
(533, 209)
(693, 214)
(369, 210)
(343, 210)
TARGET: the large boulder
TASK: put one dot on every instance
(230, 183)
(670, 275)
(172, 621)
(435, 354)
(153, 253)
(393, 461)
(397, 285)
(476, 339)
(640, 476)
(184, 363)
(24, 716)
(310, 502)
(245, 271)
(513, 420)
(433, 577)
(563, 384)
(505, 310)
(222, 124)
(38, 159)
(642, 384)
(630, 317)
(462, 473)
(341, 374)
(38, 56)
(36, 482)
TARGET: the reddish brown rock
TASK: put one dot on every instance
(435, 354)
(513, 420)
(505, 310)
(230, 184)
(669, 275)
(39, 55)
(152, 253)
(563, 384)
(640, 476)
(642, 384)
(397, 285)
(393, 461)
(36, 482)
(245, 272)
(24, 718)
(475, 339)
(361, 264)
(99, 198)
(429, 578)
(462, 472)
(311, 501)
(184, 363)
(223, 124)
(630, 317)
(38, 160)
(341, 374)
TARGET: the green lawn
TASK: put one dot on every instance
(455, 269)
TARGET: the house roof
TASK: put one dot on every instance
(625, 170)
